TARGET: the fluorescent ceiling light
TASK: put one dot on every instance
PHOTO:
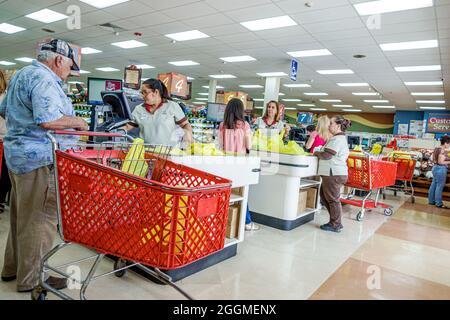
(330, 100)
(342, 105)
(424, 83)
(190, 78)
(129, 44)
(418, 68)
(258, 99)
(217, 87)
(46, 16)
(383, 6)
(7, 63)
(292, 100)
(316, 93)
(202, 99)
(309, 53)
(84, 71)
(9, 28)
(365, 93)
(269, 23)
(318, 109)
(259, 108)
(103, 3)
(430, 101)
(352, 110)
(24, 59)
(75, 82)
(409, 45)
(281, 94)
(377, 101)
(144, 66)
(187, 35)
(272, 74)
(88, 50)
(238, 59)
(306, 105)
(383, 107)
(337, 71)
(297, 85)
(203, 94)
(427, 93)
(198, 102)
(433, 108)
(184, 63)
(107, 69)
(353, 84)
(251, 86)
(222, 76)
(290, 108)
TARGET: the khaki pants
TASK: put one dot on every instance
(330, 193)
(33, 225)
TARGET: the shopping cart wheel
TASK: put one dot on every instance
(38, 294)
(359, 216)
(388, 212)
(118, 264)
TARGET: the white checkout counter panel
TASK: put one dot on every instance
(287, 195)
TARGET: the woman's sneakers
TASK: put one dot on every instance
(329, 227)
(251, 227)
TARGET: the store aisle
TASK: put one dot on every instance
(410, 252)
(271, 264)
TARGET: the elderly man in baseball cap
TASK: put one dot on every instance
(35, 103)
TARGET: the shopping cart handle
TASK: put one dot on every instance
(87, 133)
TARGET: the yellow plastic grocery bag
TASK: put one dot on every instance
(135, 162)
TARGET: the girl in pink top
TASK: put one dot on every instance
(319, 135)
(234, 132)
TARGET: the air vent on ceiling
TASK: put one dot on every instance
(48, 30)
(111, 27)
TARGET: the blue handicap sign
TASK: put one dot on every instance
(294, 69)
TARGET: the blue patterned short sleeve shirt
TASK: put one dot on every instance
(34, 96)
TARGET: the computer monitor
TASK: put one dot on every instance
(215, 112)
(97, 85)
(365, 142)
(353, 141)
(120, 109)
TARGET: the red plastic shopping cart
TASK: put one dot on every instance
(405, 173)
(369, 175)
(165, 218)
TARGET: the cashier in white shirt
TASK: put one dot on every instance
(271, 119)
(158, 117)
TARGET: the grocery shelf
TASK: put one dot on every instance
(305, 183)
(235, 198)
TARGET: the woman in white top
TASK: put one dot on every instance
(334, 172)
(158, 117)
(5, 183)
(271, 119)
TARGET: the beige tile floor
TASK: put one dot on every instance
(270, 264)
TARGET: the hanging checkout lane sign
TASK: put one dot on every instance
(294, 69)
(438, 122)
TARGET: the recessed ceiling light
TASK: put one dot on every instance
(342, 105)
(272, 74)
(409, 45)
(353, 84)
(187, 35)
(190, 78)
(365, 93)
(103, 3)
(337, 71)
(290, 108)
(330, 100)
(46, 16)
(431, 101)
(238, 59)
(88, 50)
(9, 28)
(144, 66)
(297, 85)
(258, 99)
(281, 94)
(84, 71)
(306, 105)
(309, 53)
(427, 93)
(184, 63)
(316, 93)
(202, 99)
(352, 110)
(130, 44)
(318, 109)
(217, 87)
(424, 83)
(433, 108)
(376, 101)
(203, 94)
(382, 6)
(418, 68)
(292, 100)
(269, 23)
(24, 59)
(222, 76)
(7, 63)
(251, 86)
(107, 69)
(383, 107)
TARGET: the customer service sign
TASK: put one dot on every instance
(439, 123)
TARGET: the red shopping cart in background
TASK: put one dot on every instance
(369, 175)
(405, 173)
(164, 219)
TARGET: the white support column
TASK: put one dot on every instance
(212, 91)
(272, 89)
